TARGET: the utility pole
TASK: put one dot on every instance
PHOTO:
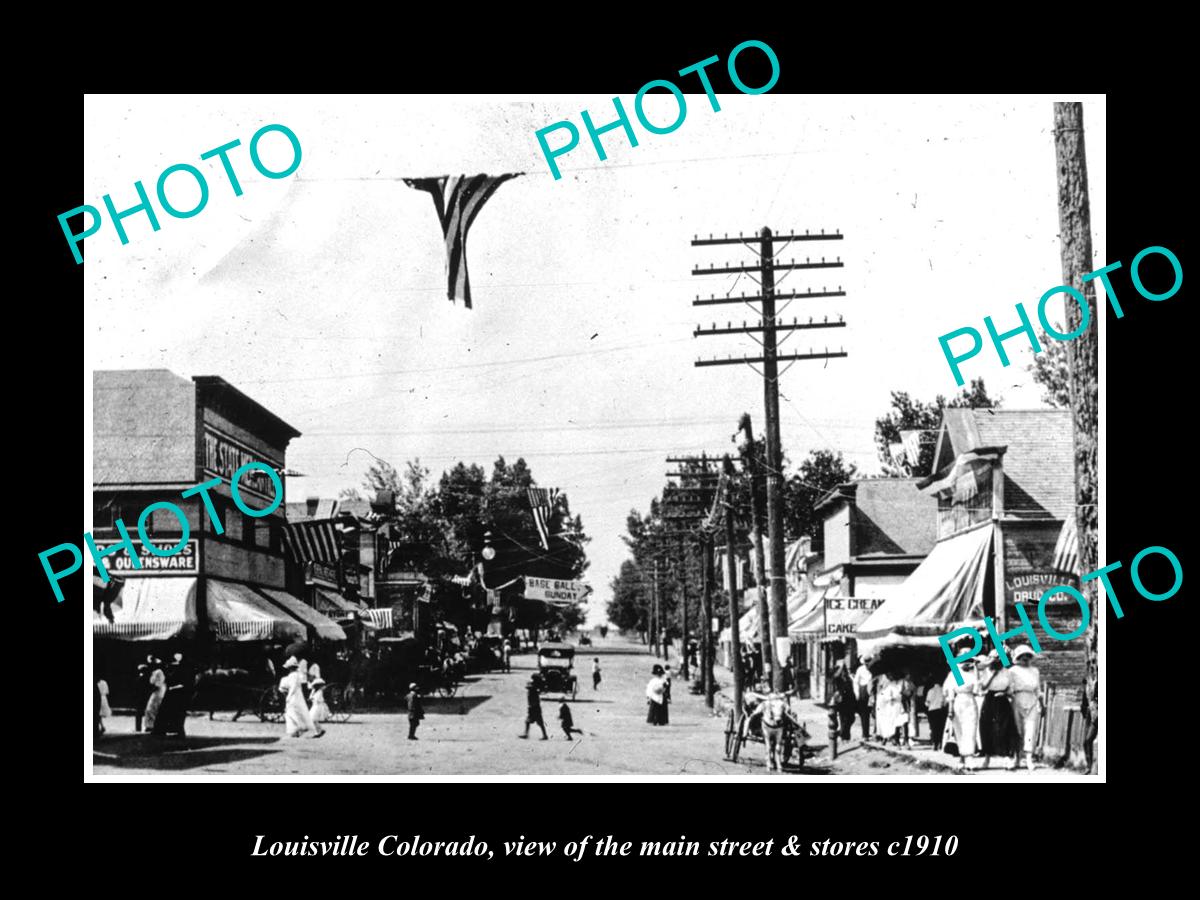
(654, 610)
(735, 607)
(683, 606)
(766, 637)
(1075, 229)
(706, 648)
(769, 326)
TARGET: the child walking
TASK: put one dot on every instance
(567, 720)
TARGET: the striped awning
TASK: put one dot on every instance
(335, 602)
(237, 613)
(326, 628)
(380, 618)
(152, 608)
(318, 540)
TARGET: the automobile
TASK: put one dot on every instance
(555, 669)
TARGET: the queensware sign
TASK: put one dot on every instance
(552, 591)
(843, 615)
(185, 562)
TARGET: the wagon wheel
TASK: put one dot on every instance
(730, 735)
(270, 706)
(341, 702)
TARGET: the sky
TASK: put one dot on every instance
(322, 295)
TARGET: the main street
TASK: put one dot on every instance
(477, 733)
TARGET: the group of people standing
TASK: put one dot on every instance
(163, 693)
(995, 712)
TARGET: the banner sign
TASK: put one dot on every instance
(561, 593)
(1028, 587)
(323, 574)
(185, 562)
(843, 615)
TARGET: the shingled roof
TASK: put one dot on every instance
(1039, 460)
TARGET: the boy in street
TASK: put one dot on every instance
(567, 720)
(416, 710)
(596, 673)
(533, 711)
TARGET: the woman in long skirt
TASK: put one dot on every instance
(998, 734)
(656, 697)
(1027, 699)
(158, 690)
(960, 701)
(297, 718)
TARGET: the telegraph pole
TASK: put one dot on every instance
(735, 607)
(766, 637)
(683, 606)
(769, 326)
(654, 610)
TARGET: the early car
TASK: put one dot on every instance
(555, 675)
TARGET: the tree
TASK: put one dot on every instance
(914, 415)
(1051, 369)
(819, 473)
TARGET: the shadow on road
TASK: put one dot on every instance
(140, 751)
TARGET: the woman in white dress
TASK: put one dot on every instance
(158, 690)
(105, 709)
(890, 715)
(297, 718)
(319, 709)
(964, 712)
(1027, 699)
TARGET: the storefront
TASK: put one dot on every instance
(1004, 486)
(223, 599)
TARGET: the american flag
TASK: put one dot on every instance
(541, 501)
(1066, 549)
(458, 200)
(390, 547)
(309, 541)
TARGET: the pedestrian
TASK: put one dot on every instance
(908, 694)
(533, 708)
(505, 654)
(844, 700)
(157, 683)
(596, 673)
(105, 711)
(416, 709)
(172, 713)
(891, 717)
(318, 708)
(297, 718)
(666, 707)
(998, 731)
(1027, 699)
(567, 720)
(144, 689)
(862, 696)
(962, 710)
(935, 709)
(655, 689)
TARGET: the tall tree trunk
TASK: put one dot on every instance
(1075, 231)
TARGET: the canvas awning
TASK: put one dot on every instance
(237, 613)
(335, 602)
(380, 618)
(151, 608)
(943, 593)
(809, 616)
(326, 628)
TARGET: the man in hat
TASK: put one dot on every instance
(862, 695)
(416, 709)
(533, 708)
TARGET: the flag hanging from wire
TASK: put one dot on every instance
(458, 200)
(1066, 549)
(541, 501)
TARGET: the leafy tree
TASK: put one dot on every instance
(914, 415)
(818, 474)
(1051, 369)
